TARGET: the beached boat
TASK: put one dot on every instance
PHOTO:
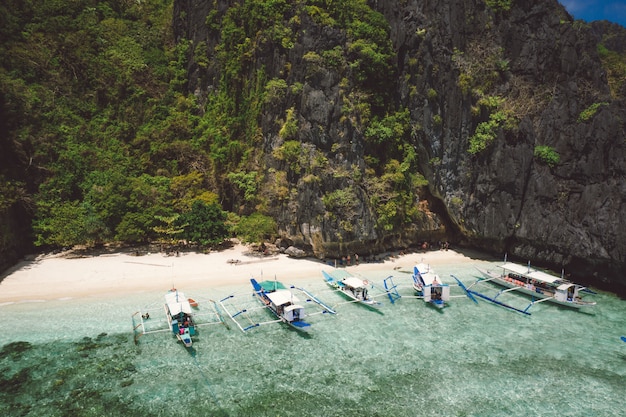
(179, 316)
(540, 285)
(178, 313)
(282, 303)
(280, 300)
(356, 289)
(429, 286)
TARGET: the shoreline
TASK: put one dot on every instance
(59, 276)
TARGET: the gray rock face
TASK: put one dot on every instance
(295, 252)
(451, 56)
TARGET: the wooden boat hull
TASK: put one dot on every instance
(498, 279)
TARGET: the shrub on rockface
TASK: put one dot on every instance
(590, 112)
(547, 155)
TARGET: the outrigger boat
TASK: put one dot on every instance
(147, 320)
(356, 289)
(179, 316)
(540, 285)
(427, 286)
(281, 302)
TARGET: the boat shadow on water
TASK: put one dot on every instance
(436, 309)
(304, 335)
(582, 312)
(377, 311)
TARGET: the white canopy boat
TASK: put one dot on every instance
(282, 303)
(280, 300)
(540, 285)
(177, 312)
(179, 316)
(356, 289)
(429, 286)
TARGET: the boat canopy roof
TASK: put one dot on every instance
(177, 303)
(293, 307)
(353, 282)
(428, 275)
(532, 273)
(423, 268)
(282, 297)
(272, 285)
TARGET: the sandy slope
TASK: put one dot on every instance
(56, 276)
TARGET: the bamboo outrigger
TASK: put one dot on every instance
(178, 316)
(539, 285)
(356, 289)
(281, 301)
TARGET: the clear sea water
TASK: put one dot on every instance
(78, 358)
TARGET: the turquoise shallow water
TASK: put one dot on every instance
(78, 358)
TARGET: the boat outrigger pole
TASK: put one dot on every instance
(391, 289)
(500, 303)
(471, 293)
(317, 301)
(467, 291)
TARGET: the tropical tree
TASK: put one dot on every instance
(204, 224)
(255, 228)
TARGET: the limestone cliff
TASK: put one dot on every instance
(514, 124)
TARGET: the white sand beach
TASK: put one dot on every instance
(53, 277)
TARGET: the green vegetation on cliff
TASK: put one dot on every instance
(104, 142)
(345, 125)
(99, 129)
